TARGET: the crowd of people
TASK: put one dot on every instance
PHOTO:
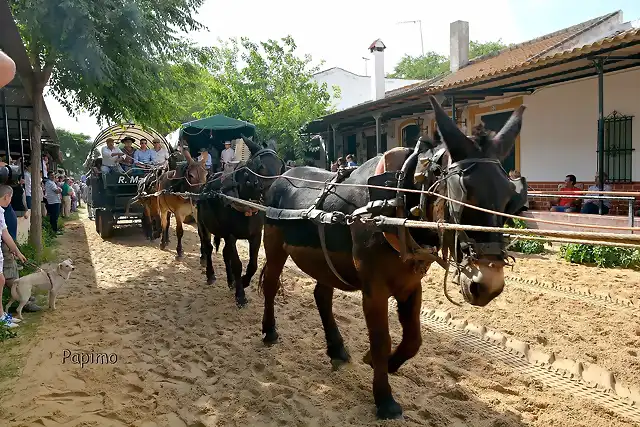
(125, 158)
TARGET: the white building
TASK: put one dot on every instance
(354, 88)
(554, 75)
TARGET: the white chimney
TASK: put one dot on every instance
(459, 45)
(377, 78)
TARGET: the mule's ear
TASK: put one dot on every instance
(504, 140)
(457, 142)
(204, 158)
(253, 147)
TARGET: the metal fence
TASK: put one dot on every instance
(630, 200)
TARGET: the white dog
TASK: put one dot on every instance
(50, 280)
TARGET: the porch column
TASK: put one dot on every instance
(377, 117)
(335, 134)
(327, 148)
(21, 143)
(599, 63)
(6, 123)
(453, 109)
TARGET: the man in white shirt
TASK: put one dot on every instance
(227, 156)
(161, 153)
(111, 156)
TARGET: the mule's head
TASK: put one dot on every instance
(475, 176)
(264, 161)
(196, 172)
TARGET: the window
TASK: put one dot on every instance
(618, 147)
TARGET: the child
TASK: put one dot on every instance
(6, 193)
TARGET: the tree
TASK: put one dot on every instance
(105, 57)
(432, 64)
(74, 147)
(268, 85)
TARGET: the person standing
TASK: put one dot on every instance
(66, 198)
(27, 184)
(54, 199)
(8, 265)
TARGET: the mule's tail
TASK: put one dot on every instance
(216, 242)
(261, 279)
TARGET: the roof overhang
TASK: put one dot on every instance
(618, 53)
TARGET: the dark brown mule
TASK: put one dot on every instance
(231, 221)
(361, 256)
(189, 177)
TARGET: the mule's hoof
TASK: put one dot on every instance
(211, 280)
(203, 262)
(338, 363)
(270, 337)
(179, 257)
(339, 356)
(231, 285)
(163, 246)
(389, 410)
(367, 358)
(242, 302)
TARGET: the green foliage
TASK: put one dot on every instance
(267, 84)
(111, 58)
(432, 64)
(75, 148)
(601, 256)
(526, 246)
(6, 333)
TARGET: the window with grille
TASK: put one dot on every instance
(618, 147)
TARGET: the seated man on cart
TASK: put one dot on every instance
(111, 156)
(144, 158)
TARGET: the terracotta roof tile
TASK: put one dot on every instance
(519, 54)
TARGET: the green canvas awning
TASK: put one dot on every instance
(219, 122)
(212, 132)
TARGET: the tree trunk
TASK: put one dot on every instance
(35, 232)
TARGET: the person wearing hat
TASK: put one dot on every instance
(111, 156)
(227, 156)
(129, 151)
(161, 154)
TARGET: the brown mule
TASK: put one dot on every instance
(187, 178)
(356, 256)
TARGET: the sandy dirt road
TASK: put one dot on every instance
(186, 356)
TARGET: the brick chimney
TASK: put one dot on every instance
(459, 45)
(377, 78)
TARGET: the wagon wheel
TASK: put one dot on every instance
(106, 221)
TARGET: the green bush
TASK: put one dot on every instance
(601, 256)
(526, 246)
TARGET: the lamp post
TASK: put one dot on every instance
(419, 22)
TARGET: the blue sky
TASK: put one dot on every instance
(339, 31)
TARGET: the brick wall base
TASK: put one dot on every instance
(618, 207)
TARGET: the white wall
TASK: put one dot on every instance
(355, 89)
(560, 126)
